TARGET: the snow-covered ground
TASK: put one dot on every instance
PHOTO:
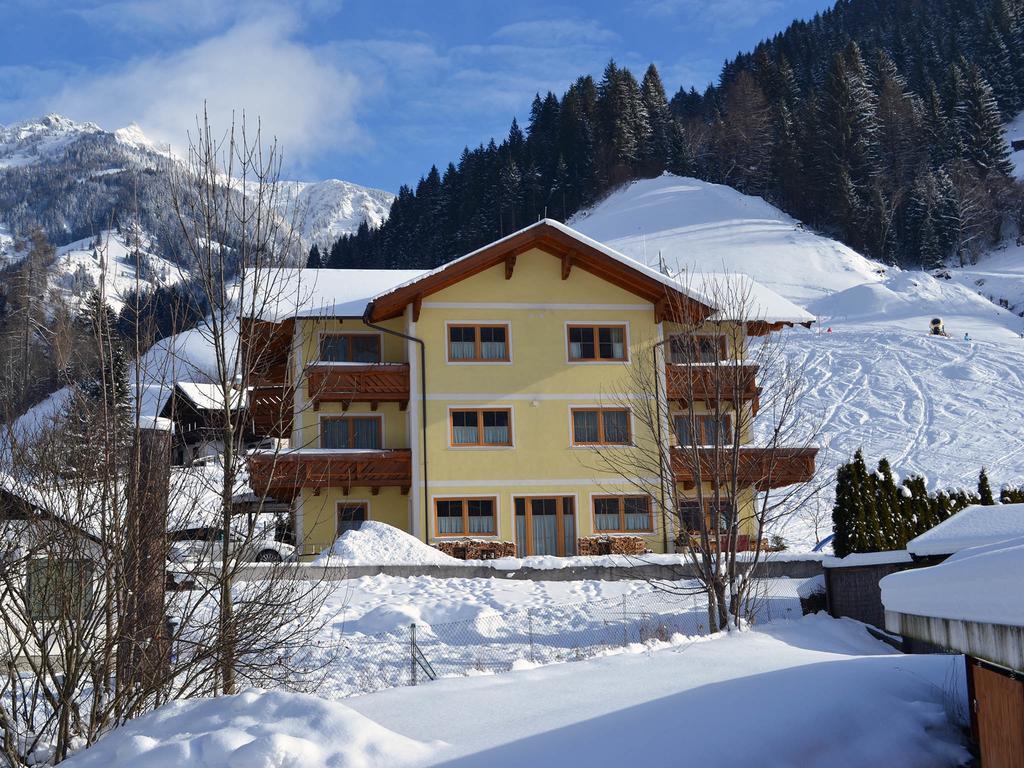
(812, 692)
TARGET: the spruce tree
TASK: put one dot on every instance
(984, 489)
(314, 261)
(981, 127)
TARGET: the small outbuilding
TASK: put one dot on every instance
(973, 526)
(973, 603)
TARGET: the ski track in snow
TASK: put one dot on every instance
(942, 408)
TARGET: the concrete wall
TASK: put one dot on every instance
(794, 569)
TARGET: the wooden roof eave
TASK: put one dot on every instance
(670, 304)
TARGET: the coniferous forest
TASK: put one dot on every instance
(878, 122)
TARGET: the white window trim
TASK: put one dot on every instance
(627, 342)
(447, 343)
(490, 407)
(600, 446)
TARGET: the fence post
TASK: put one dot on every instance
(529, 621)
(625, 624)
(412, 652)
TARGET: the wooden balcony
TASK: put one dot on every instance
(762, 468)
(372, 383)
(271, 410)
(283, 474)
(708, 383)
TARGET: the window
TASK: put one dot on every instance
(460, 517)
(350, 348)
(492, 427)
(350, 517)
(58, 589)
(697, 349)
(597, 342)
(691, 514)
(362, 432)
(478, 343)
(622, 514)
(707, 430)
(600, 426)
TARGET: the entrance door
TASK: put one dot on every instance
(999, 700)
(546, 525)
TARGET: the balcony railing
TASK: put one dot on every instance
(271, 410)
(707, 383)
(283, 474)
(358, 383)
(761, 468)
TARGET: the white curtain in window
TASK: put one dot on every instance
(496, 435)
(492, 350)
(481, 524)
(463, 350)
(464, 435)
(449, 525)
(618, 339)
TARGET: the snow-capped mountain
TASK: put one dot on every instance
(74, 179)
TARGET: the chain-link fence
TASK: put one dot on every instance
(495, 642)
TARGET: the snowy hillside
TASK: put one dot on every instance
(941, 407)
(38, 140)
(112, 263)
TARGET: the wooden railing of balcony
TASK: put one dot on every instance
(282, 475)
(762, 468)
(372, 383)
(707, 383)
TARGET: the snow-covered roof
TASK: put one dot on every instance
(622, 258)
(740, 297)
(209, 397)
(971, 527)
(347, 292)
(981, 584)
(318, 292)
(858, 559)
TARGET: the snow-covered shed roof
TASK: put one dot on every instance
(209, 397)
(318, 292)
(971, 527)
(860, 559)
(980, 584)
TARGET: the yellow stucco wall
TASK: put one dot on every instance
(539, 385)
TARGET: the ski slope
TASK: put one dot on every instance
(939, 407)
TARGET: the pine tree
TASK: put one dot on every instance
(981, 127)
(656, 149)
(314, 261)
(984, 489)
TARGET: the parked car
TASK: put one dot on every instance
(206, 543)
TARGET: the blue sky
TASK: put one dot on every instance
(372, 91)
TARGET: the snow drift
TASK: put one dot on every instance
(255, 729)
(375, 543)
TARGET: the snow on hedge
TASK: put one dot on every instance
(973, 526)
(375, 543)
(981, 584)
(254, 729)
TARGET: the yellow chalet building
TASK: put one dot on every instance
(473, 399)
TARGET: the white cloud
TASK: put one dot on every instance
(719, 15)
(555, 31)
(302, 98)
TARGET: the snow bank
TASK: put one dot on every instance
(973, 526)
(255, 729)
(980, 584)
(376, 543)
